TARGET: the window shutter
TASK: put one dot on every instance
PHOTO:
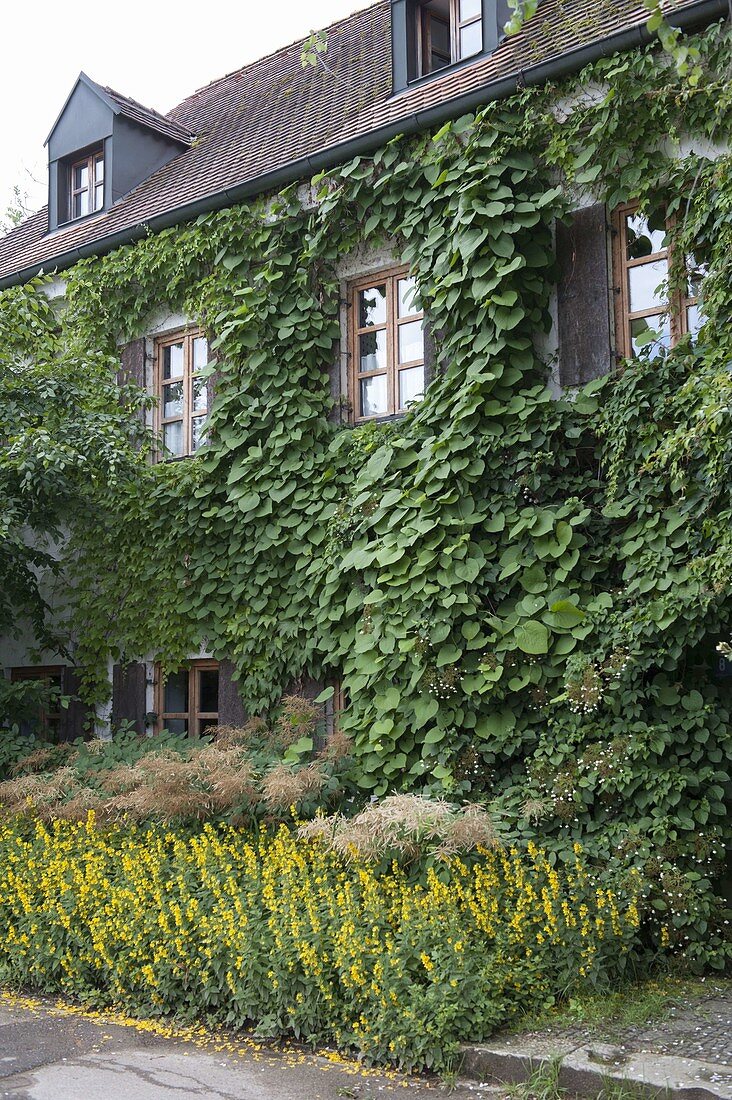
(129, 695)
(132, 368)
(77, 719)
(583, 297)
(231, 707)
(132, 364)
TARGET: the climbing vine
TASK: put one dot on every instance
(521, 595)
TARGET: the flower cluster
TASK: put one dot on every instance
(234, 927)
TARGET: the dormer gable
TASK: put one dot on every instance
(101, 146)
(431, 36)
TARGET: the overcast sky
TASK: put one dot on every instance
(156, 51)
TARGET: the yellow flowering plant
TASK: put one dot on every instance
(282, 934)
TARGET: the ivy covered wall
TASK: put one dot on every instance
(521, 595)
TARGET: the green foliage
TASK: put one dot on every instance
(68, 438)
(521, 595)
(237, 929)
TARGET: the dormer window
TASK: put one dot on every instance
(86, 185)
(448, 31)
(430, 36)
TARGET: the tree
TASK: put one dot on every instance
(69, 436)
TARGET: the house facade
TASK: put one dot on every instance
(120, 175)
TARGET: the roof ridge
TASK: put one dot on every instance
(280, 50)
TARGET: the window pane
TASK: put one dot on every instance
(176, 725)
(99, 169)
(373, 350)
(642, 239)
(199, 436)
(173, 361)
(200, 352)
(411, 386)
(81, 176)
(373, 396)
(440, 34)
(200, 395)
(173, 437)
(175, 696)
(407, 297)
(173, 399)
(639, 334)
(99, 196)
(208, 691)
(372, 307)
(469, 9)
(411, 342)
(694, 319)
(644, 284)
(81, 204)
(471, 39)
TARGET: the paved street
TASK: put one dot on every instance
(47, 1054)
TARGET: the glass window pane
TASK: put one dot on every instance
(81, 176)
(176, 725)
(173, 399)
(99, 196)
(408, 297)
(643, 240)
(81, 204)
(208, 691)
(173, 437)
(694, 319)
(372, 350)
(411, 342)
(373, 396)
(99, 169)
(200, 352)
(469, 9)
(644, 282)
(440, 35)
(173, 361)
(471, 39)
(372, 306)
(200, 395)
(199, 435)
(175, 696)
(411, 386)
(639, 329)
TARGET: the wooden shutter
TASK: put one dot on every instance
(231, 707)
(583, 297)
(129, 695)
(132, 368)
(132, 364)
(77, 719)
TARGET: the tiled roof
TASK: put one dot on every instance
(145, 116)
(273, 114)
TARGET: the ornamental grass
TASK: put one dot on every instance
(289, 936)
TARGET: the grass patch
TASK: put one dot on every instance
(630, 1005)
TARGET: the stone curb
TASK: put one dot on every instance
(585, 1070)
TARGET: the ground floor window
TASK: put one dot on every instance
(188, 699)
(43, 717)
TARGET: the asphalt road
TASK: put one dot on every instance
(47, 1054)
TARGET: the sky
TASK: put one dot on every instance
(155, 51)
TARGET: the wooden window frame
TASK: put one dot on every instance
(90, 163)
(389, 276)
(194, 715)
(455, 25)
(186, 337)
(677, 304)
(44, 673)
